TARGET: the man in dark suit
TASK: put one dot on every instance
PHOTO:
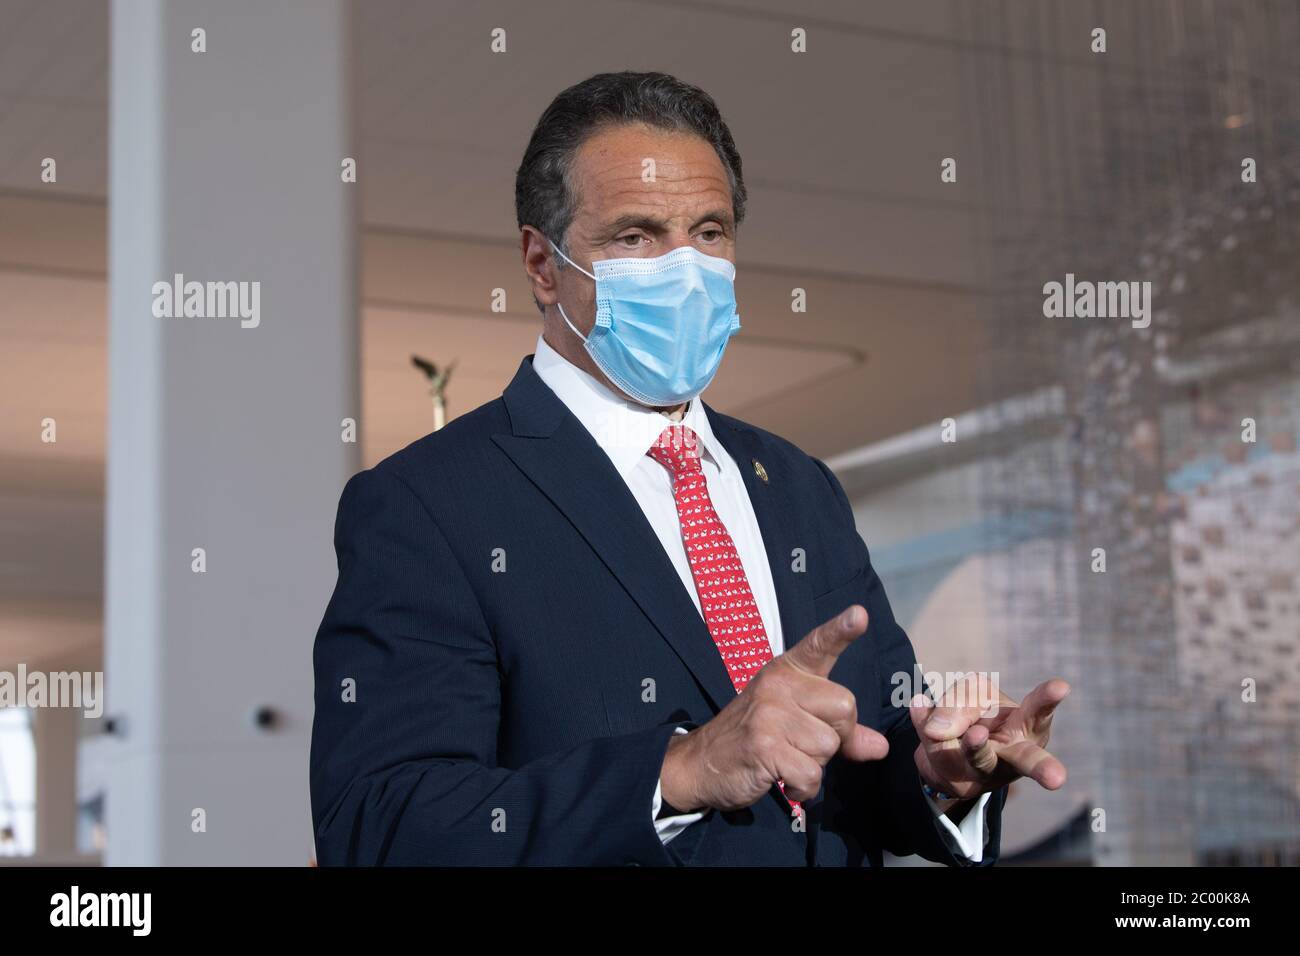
(597, 622)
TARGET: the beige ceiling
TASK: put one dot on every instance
(842, 147)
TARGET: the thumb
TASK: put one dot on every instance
(817, 653)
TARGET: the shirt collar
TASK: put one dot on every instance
(623, 429)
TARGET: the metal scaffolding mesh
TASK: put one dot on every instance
(1124, 169)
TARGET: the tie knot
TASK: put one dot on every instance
(678, 449)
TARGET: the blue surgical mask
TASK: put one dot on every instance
(662, 324)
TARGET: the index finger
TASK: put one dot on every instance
(817, 653)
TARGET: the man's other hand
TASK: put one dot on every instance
(971, 744)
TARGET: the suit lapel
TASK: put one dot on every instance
(549, 445)
(774, 505)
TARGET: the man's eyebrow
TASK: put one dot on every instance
(654, 224)
(635, 219)
(722, 216)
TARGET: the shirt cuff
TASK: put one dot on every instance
(670, 827)
(969, 838)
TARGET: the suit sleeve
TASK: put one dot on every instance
(892, 811)
(408, 692)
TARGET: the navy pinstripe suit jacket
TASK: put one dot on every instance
(501, 604)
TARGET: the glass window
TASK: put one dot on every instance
(17, 783)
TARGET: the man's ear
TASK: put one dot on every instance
(539, 265)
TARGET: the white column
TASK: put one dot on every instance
(224, 433)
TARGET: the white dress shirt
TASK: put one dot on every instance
(625, 431)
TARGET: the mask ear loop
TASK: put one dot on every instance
(558, 303)
(571, 262)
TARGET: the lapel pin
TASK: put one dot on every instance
(760, 470)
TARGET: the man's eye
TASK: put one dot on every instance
(630, 242)
(711, 235)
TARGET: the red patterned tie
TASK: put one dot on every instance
(725, 598)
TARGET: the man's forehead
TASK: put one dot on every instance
(613, 168)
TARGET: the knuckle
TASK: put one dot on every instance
(844, 706)
(807, 782)
(762, 742)
(764, 715)
(760, 685)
